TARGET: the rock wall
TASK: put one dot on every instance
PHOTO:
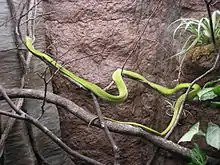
(94, 38)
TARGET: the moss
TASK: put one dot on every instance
(202, 51)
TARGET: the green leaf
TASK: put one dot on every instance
(198, 157)
(211, 83)
(189, 135)
(198, 28)
(216, 90)
(213, 135)
(215, 104)
(206, 94)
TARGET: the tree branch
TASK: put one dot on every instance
(87, 117)
(107, 132)
(45, 129)
(203, 75)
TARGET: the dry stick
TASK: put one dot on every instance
(8, 20)
(45, 130)
(180, 68)
(7, 50)
(40, 160)
(46, 82)
(135, 46)
(44, 77)
(203, 75)
(39, 15)
(88, 117)
(8, 128)
(30, 30)
(139, 38)
(19, 101)
(32, 7)
(13, 115)
(18, 30)
(15, 34)
(214, 3)
(106, 130)
(198, 78)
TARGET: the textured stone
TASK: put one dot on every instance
(93, 39)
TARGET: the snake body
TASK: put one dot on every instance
(122, 89)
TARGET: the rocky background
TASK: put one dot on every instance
(94, 38)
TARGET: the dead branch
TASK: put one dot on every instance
(44, 129)
(19, 101)
(203, 75)
(107, 132)
(46, 83)
(87, 117)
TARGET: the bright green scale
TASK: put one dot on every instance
(122, 89)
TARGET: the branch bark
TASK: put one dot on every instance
(44, 129)
(87, 117)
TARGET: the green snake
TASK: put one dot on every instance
(122, 89)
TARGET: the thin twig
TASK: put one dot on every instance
(19, 101)
(45, 130)
(46, 82)
(44, 77)
(32, 6)
(58, 68)
(13, 115)
(87, 117)
(8, 20)
(39, 158)
(15, 35)
(25, 66)
(39, 15)
(203, 75)
(30, 26)
(156, 149)
(107, 132)
(7, 50)
(18, 30)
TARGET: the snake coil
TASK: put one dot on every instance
(122, 89)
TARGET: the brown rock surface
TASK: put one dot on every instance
(93, 38)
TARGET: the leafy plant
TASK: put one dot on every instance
(210, 93)
(194, 130)
(199, 30)
(212, 134)
(197, 156)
